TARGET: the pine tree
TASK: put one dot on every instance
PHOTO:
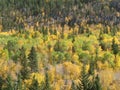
(96, 84)
(115, 47)
(47, 85)
(84, 80)
(34, 85)
(51, 32)
(57, 46)
(86, 83)
(1, 82)
(33, 62)
(91, 69)
(55, 32)
(19, 83)
(11, 47)
(24, 63)
(73, 86)
(113, 31)
(9, 84)
(81, 30)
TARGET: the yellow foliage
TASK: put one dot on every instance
(37, 24)
(9, 68)
(99, 65)
(38, 76)
(28, 82)
(102, 66)
(87, 67)
(75, 58)
(106, 77)
(5, 33)
(3, 54)
(65, 70)
(108, 28)
(52, 74)
(53, 37)
(1, 28)
(116, 40)
(117, 61)
(20, 42)
(66, 19)
(112, 86)
(99, 25)
(73, 73)
(58, 84)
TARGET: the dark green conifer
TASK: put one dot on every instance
(97, 84)
(19, 82)
(9, 84)
(24, 63)
(47, 85)
(84, 80)
(34, 85)
(115, 47)
(1, 82)
(33, 61)
(73, 86)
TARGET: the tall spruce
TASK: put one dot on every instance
(97, 84)
(1, 82)
(34, 85)
(24, 63)
(9, 84)
(33, 61)
(92, 67)
(73, 86)
(47, 85)
(115, 47)
(84, 83)
(19, 83)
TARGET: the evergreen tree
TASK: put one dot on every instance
(113, 31)
(9, 84)
(86, 83)
(73, 86)
(91, 69)
(55, 32)
(34, 85)
(96, 84)
(73, 49)
(45, 32)
(57, 46)
(1, 82)
(115, 47)
(12, 48)
(81, 30)
(51, 31)
(33, 62)
(24, 63)
(19, 83)
(84, 80)
(47, 85)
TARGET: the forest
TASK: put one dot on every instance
(59, 44)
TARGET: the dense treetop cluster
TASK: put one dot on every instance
(59, 44)
(17, 14)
